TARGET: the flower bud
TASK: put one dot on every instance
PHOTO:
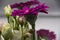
(27, 35)
(22, 19)
(8, 11)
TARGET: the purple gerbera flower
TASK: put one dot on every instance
(26, 10)
(46, 34)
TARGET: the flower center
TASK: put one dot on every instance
(27, 11)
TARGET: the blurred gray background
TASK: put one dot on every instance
(49, 21)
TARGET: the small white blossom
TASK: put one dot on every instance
(8, 10)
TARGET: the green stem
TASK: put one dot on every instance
(26, 26)
(16, 24)
(22, 33)
(0, 34)
(33, 27)
(8, 19)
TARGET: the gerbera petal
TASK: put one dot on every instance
(45, 33)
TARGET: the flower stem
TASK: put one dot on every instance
(22, 33)
(33, 27)
(16, 24)
(8, 19)
(0, 34)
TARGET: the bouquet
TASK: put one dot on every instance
(21, 18)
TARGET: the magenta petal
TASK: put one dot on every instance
(14, 5)
(32, 9)
(44, 6)
(28, 3)
(44, 11)
(46, 33)
(25, 8)
(14, 13)
(34, 13)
